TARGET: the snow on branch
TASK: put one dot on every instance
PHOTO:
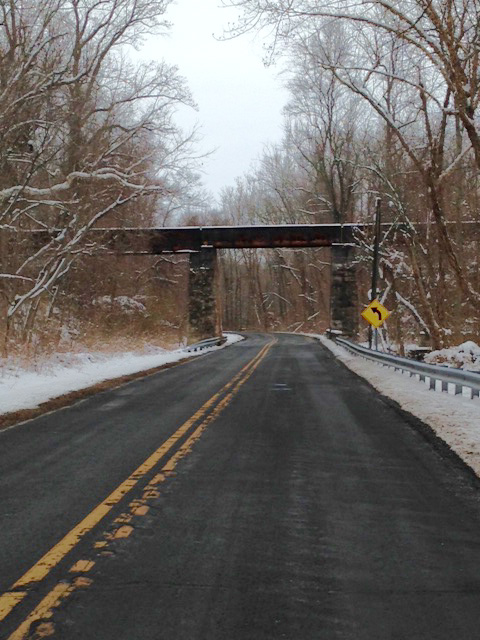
(100, 174)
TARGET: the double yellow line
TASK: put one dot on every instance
(40, 570)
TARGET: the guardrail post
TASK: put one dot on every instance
(203, 308)
(343, 290)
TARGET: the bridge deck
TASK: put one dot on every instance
(248, 237)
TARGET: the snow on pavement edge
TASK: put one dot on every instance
(23, 389)
(455, 419)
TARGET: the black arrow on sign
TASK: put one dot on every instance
(376, 310)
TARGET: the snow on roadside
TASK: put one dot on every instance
(464, 356)
(27, 389)
(455, 419)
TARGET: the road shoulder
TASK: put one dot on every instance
(450, 423)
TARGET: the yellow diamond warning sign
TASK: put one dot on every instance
(376, 314)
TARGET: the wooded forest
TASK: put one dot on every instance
(383, 104)
(88, 138)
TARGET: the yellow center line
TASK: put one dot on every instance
(82, 566)
(63, 590)
(42, 568)
(44, 610)
(8, 601)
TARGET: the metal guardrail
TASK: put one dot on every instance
(205, 344)
(460, 378)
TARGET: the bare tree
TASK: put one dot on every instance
(415, 66)
(323, 125)
(445, 33)
(88, 135)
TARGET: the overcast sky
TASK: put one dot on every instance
(240, 101)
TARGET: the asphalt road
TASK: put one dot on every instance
(261, 492)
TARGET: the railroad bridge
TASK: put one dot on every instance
(202, 244)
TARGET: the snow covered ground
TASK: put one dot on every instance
(66, 372)
(464, 356)
(455, 419)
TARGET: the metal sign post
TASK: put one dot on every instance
(376, 249)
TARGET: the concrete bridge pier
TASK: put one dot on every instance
(204, 301)
(343, 290)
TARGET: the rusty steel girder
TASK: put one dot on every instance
(154, 241)
(175, 239)
(291, 236)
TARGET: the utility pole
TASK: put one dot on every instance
(376, 249)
